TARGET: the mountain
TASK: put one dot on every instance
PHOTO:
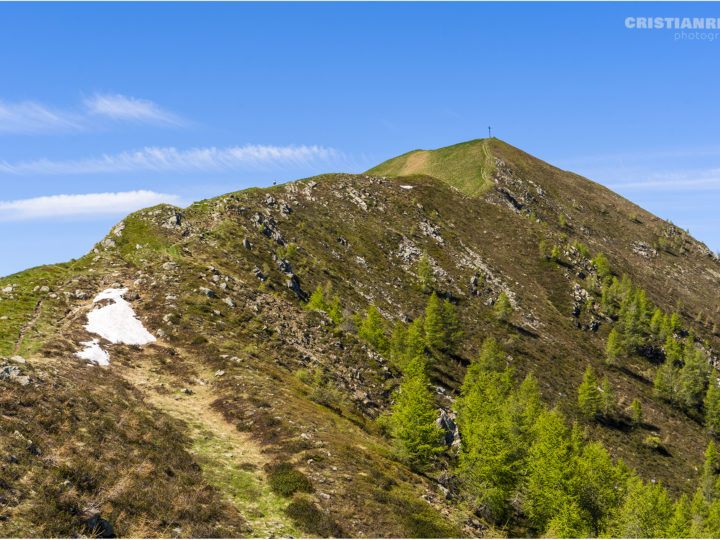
(252, 399)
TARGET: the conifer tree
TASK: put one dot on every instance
(632, 317)
(665, 330)
(693, 378)
(673, 351)
(712, 407)
(398, 344)
(503, 308)
(415, 342)
(613, 347)
(646, 512)
(334, 310)
(435, 333)
(372, 330)
(681, 520)
(665, 381)
(567, 522)
(425, 274)
(412, 422)
(555, 253)
(451, 326)
(602, 265)
(674, 323)
(608, 400)
(494, 423)
(656, 322)
(712, 522)
(317, 300)
(550, 464)
(636, 412)
(699, 513)
(589, 400)
(597, 486)
(709, 478)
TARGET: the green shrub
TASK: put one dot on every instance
(285, 479)
(199, 340)
(308, 517)
(653, 442)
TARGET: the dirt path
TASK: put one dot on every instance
(231, 460)
(28, 326)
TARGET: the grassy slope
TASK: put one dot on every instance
(342, 236)
(467, 166)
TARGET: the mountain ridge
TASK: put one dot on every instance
(223, 284)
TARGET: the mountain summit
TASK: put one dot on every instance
(460, 342)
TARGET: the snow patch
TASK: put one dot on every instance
(116, 323)
(407, 187)
(94, 352)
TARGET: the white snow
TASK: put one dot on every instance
(407, 187)
(94, 352)
(116, 323)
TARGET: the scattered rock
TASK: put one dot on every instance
(230, 302)
(12, 373)
(99, 527)
(173, 221)
(219, 373)
(259, 274)
(17, 359)
(642, 249)
(447, 424)
(206, 292)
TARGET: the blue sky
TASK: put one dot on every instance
(106, 108)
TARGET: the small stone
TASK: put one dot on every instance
(17, 359)
(219, 373)
(99, 527)
(207, 292)
(81, 295)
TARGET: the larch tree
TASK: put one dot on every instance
(589, 399)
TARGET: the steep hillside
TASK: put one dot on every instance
(253, 414)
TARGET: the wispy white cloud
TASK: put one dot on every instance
(31, 117)
(119, 107)
(675, 181)
(28, 117)
(173, 160)
(83, 204)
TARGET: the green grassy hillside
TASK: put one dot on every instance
(467, 166)
(269, 412)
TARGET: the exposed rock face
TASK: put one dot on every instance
(642, 249)
(449, 427)
(13, 373)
